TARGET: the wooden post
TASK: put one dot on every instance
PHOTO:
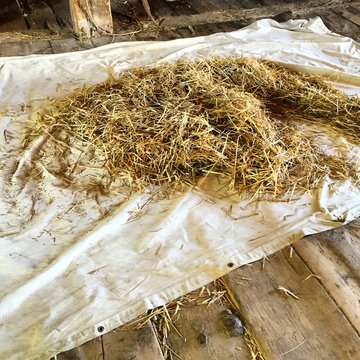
(91, 17)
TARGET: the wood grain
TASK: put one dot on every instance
(311, 327)
(351, 13)
(91, 18)
(41, 17)
(122, 344)
(61, 9)
(334, 256)
(336, 23)
(25, 48)
(69, 45)
(255, 13)
(195, 320)
(92, 350)
(341, 25)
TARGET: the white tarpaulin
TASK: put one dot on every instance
(71, 261)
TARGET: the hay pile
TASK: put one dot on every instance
(235, 117)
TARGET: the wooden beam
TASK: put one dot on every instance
(297, 8)
(25, 48)
(91, 17)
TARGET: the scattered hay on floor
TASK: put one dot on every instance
(164, 318)
(253, 345)
(28, 36)
(169, 313)
(236, 118)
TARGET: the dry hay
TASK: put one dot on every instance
(165, 318)
(29, 36)
(237, 118)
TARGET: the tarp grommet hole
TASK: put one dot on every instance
(100, 329)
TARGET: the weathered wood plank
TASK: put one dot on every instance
(334, 256)
(204, 336)
(69, 45)
(25, 48)
(343, 26)
(346, 240)
(350, 13)
(61, 9)
(124, 344)
(204, 6)
(92, 350)
(41, 17)
(336, 23)
(256, 13)
(125, 8)
(91, 18)
(251, 4)
(310, 327)
(161, 8)
(147, 8)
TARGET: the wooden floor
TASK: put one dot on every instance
(301, 303)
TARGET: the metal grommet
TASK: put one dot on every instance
(100, 329)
